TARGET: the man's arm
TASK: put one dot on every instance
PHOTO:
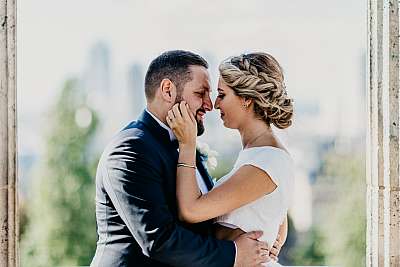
(133, 180)
(280, 239)
(283, 230)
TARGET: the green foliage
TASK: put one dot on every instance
(345, 226)
(307, 250)
(222, 169)
(60, 211)
(337, 237)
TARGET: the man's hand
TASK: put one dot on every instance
(250, 251)
(276, 248)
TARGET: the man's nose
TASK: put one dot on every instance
(207, 103)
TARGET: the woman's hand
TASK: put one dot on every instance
(183, 123)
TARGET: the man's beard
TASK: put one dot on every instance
(200, 127)
(200, 124)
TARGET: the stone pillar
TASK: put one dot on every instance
(8, 155)
(383, 199)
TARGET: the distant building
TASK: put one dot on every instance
(97, 74)
(135, 90)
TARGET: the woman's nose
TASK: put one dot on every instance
(216, 104)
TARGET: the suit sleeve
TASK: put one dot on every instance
(133, 180)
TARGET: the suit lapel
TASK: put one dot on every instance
(203, 171)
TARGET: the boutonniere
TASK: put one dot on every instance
(208, 155)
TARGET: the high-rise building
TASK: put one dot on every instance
(135, 90)
(97, 74)
(96, 79)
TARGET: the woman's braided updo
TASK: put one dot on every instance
(258, 76)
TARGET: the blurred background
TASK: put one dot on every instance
(81, 67)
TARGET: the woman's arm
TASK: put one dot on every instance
(246, 185)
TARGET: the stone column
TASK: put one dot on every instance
(8, 155)
(383, 200)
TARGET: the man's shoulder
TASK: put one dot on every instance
(135, 130)
(134, 133)
(135, 137)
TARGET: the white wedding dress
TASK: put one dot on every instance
(268, 212)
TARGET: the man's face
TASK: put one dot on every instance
(196, 93)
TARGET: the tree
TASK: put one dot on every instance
(61, 212)
(307, 249)
(345, 226)
(338, 236)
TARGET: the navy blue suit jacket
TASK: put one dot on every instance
(136, 209)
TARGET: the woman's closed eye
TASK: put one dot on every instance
(220, 96)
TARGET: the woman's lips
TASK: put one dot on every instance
(200, 116)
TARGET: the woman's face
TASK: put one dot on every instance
(230, 106)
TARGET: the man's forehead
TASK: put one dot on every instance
(200, 74)
(198, 70)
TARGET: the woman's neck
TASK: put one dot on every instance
(254, 132)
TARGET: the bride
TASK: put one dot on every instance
(256, 193)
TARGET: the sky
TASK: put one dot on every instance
(320, 44)
(324, 40)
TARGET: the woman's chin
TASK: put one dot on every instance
(226, 125)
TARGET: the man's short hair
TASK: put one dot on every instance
(173, 65)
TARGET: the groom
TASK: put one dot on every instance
(136, 212)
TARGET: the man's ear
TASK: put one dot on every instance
(168, 90)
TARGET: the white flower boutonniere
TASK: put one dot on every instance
(210, 156)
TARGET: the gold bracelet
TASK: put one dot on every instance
(186, 165)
